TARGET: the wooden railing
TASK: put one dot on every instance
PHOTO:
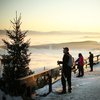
(47, 77)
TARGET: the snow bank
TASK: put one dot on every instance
(8, 97)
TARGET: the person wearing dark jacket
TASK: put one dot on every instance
(66, 71)
(91, 61)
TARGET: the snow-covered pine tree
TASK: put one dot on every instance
(16, 61)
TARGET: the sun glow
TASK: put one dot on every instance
(57, 15)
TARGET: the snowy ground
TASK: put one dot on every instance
(84, 88)
(4, 96)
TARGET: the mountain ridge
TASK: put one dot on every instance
(52, 32)
(72, 45)
(76, 45)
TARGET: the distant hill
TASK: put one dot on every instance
(83, 45)
(55, 32)
(73, 45)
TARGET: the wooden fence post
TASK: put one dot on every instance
(86, 63)
(97, 58)
(50, 82)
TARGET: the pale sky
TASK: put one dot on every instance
(52, 15)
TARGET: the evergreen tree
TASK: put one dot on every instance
(16, 61)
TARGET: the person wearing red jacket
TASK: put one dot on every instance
(80, 64)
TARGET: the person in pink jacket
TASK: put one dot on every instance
(80, 62)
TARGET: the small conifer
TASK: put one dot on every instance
(16, 61)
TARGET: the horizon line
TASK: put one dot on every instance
(55, 31)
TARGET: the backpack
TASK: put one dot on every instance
(70, 61)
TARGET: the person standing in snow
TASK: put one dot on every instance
(66, 71)
(80, 64)
(91, 61)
